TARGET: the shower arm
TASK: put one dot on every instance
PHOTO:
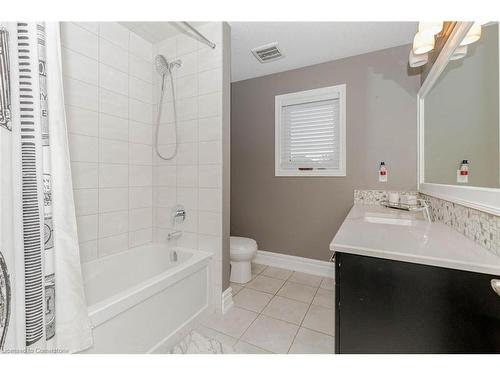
(201, 36)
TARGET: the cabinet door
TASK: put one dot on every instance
(481, 314)
(388, 306)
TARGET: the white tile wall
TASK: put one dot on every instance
(124, 193)
(194, 177)
(108, 94)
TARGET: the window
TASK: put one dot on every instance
(310, 134)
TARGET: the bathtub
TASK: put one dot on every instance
(143, 301)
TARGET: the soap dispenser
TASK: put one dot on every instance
(463, 172)
(382, 172)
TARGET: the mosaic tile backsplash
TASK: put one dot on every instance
(480, 227)
(374, 196)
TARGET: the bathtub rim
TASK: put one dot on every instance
(108, 308)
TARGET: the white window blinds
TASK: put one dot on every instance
(310, 135)
(310, 132)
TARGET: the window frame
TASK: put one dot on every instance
(302, 97)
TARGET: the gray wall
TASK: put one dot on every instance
(300, 215)
(461, 117)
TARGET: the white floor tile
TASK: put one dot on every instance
(320, 319)
(299, 319)
(297, 292)
(277, 273)
(286, 309)
(258, 268)
(236, 288)
(324, 297)
(265, 284)
(252, 300)
(306, 279)
(243, 347)
(271, 334)
(232, 323)
(312, 342)
(327, 283)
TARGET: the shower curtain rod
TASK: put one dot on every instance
(200, 35)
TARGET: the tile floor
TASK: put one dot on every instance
(278, 311)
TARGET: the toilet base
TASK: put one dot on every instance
(241, 272)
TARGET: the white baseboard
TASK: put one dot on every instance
(290, 262)
(227, 300)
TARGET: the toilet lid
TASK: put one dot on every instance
(242, 244)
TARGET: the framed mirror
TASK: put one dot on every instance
(459, 122)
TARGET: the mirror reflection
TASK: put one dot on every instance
(461, 118)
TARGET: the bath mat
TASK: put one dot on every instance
(195, 343)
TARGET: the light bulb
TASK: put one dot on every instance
(432, 28)
(417, 60)
(423, 43)
(472, 35)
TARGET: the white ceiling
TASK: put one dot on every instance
(309, 43)
(303, 43)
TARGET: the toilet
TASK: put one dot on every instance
(242, 251)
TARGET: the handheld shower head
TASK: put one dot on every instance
(163, 67)
(161, 64)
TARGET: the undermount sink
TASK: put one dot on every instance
(388, 219)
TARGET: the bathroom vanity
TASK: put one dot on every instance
(405, 285)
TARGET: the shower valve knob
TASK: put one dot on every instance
(179, 213)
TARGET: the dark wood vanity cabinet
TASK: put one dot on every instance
(386, 306)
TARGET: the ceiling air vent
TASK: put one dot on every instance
(267, 53)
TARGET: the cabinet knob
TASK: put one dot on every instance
(495, 285)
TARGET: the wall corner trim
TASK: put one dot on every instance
(227, 300)
(294, 263)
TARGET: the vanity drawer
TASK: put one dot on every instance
(386, 306)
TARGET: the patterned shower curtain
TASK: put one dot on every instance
(43, 249)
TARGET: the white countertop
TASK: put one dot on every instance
(414, 240)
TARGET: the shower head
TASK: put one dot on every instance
(163, 67)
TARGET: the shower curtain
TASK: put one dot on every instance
(41, 242)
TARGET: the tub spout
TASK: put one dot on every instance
(174, 235)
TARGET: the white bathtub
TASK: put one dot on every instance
(140, 301)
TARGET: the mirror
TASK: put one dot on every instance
(461, 118)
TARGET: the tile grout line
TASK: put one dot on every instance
(276, 294)
(261, 312)
(258, 314)
(302, 321)
(98, 145)
(108, 40)
(128, 139)
(244, 286)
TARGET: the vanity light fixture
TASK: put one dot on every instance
(417, 60)
(432, 27)
(425, 37)
(473, 34)
(459, 53)
(423, 43)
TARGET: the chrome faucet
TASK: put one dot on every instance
(425, 209)
(179, 212)
(174, 235)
